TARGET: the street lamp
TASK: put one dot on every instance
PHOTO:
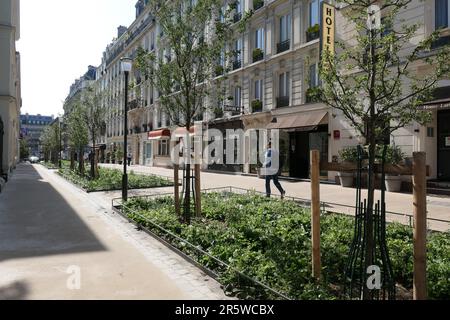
(126, 65)
(60, 144)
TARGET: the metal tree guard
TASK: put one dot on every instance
(356, 273)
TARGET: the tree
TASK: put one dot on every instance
(77, 134)
(192, 43)
(94, 115)
(371, 79)
(50, 142)
(24, 150)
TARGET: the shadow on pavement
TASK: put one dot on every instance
(35, 220)
(15, 291)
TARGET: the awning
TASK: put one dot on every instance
(182, 132)
(436, 104)
(299, 121)
(159, 134)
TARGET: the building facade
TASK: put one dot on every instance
(269, 85)
(31, 128)
(10, 89)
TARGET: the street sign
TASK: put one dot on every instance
(233, 109)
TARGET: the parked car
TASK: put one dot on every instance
(33, 159)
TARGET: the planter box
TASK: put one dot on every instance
(393, 183)
(346, 179)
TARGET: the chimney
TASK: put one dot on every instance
(121, 30)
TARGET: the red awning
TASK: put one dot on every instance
(180, 132)
(159, 134)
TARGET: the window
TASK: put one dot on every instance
(285, 28)
(237, 96)
(314, 12)
(314, 76)
(442, 14)
(284, 83)
(259, 90)
(259, 38)
(163, 147)
(238, 49)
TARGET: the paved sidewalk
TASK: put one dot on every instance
(49, 227)
(337, 197)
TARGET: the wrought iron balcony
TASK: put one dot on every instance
(237, 64)
(237, 17)
(283, 102)
(258, 55)
(284, 46)
(258, 4)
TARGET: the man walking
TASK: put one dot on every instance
(272, 168)
(129, 156)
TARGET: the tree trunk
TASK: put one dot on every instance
(72, 160)
(370, 245)
(187, 195)
(81, 162)
(92, 160)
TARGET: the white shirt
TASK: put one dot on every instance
(271, 164)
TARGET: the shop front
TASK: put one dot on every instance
(157, 149)
(231, 165)
(301, 132)
(434, 139)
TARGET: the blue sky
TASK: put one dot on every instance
(59, 39)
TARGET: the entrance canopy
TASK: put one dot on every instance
(159, 134)
(299, 121)
(436, 104)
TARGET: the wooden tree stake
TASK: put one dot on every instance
(315, 213)
(420, 226)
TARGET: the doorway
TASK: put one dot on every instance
(443, 145)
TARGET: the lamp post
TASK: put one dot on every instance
(60, 143)
(126, 64)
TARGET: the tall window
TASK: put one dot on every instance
(313, 76)
(238, 49)
(442, 14)
(285, 28)
(314, 12)
(259, 90)
(237, 96)
(259, 38)
(284, 84)
(239, 6)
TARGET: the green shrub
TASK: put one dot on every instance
(269, 240)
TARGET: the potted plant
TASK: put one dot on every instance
(394, 156)
(256, 106)
(258, 54)
(348, 155)
(257, 4)
(312, 33)
(313, 94)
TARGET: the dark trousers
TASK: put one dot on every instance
(276, 182)
(129, 161)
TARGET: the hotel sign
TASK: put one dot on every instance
(328, 28)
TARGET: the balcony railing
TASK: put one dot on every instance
(257, 106)
(283, 102)
(237, 64)
(258, 4)
(258, 55)
(312, 33)
(237, 17)
(283, 46)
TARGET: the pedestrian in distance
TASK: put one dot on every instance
(271, 170)
(129, 158)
